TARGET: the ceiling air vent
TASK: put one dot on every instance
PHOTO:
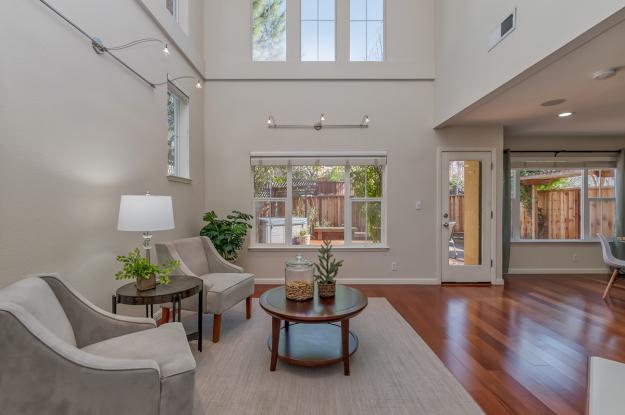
(502, 30)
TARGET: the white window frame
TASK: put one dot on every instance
(181, 128)
(173, 12)
(366, 20)
(573, 163)
(317, 21)
(281, 158)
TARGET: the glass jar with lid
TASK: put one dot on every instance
(298, 279)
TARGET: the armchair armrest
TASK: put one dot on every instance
(40, 373)
(92, 324)
(216, 263)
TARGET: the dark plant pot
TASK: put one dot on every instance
(326, 290)
(143, 285)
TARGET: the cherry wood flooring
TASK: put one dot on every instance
(521, 348)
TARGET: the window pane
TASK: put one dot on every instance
(550, 203)
(357, 9)
(375, 41)
(318, 204)
(326, 41)
(366, 222)
(171, 6)
(602, 214)
(269, 181)
(173, 111)
(270, 222)
(326, 10)
(375, 9)
(601, 183)
(269, 30)
(357, 41)
(309, 41)
(309, 10)
(366, 181)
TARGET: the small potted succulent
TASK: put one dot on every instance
(136, 266)
(326, 270)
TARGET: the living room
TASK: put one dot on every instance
(461, 160)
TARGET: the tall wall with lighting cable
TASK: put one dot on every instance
(77, 130)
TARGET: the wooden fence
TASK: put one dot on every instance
(558, 214)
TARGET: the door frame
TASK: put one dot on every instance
(495, 248)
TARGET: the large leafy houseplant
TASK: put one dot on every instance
(326, 270)
(134, 265)
(227, 235)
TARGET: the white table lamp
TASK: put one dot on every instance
(145, 213)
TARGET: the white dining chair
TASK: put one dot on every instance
(610, 261)
(450, 235)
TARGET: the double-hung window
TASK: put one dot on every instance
(177, 133)
(366, 30)
(562, 198)
(318, 24)
(304, 199)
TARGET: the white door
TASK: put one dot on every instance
(466, 216)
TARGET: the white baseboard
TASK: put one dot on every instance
(557, 271)
(361, 281)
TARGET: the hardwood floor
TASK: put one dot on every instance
(518, 349)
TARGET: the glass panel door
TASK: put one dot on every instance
(466, 216)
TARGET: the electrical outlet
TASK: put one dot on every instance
(575, 257)
(394, 266)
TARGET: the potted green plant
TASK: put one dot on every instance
(326, 270)
(136, 266)
(227, 235)
(304, 237)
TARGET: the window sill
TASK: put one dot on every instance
(554, 241)
(290, 248)
(178, 179)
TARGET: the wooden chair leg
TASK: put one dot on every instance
(248, 307)
(610, 283)
(216, 327)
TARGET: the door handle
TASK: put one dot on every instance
(446, 224)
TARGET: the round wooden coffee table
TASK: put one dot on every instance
(313, 339)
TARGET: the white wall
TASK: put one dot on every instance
(557, 257)
(466, 71)
(401, 116)
(77, 131)
(409, 44)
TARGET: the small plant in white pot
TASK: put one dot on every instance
(304, 237)
(326, 270)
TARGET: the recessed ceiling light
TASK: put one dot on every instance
(565, 114)
(553, 102)
(604, 74)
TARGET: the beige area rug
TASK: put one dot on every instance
(392, 372)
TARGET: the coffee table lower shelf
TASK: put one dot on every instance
(311, 345)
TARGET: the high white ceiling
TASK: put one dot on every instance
(598, 106)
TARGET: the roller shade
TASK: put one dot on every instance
(354, 159)
(531, 161)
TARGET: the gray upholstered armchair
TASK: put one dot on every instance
(225, 284)
(61, 354)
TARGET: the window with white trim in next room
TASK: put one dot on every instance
(563, 199)
(304, 200)
(177, 133)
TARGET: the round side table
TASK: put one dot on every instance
(179, 287)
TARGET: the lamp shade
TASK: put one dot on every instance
(145, 213)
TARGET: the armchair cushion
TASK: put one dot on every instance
(191, 251)
(167, 345)
(223, 291)
(37, 298)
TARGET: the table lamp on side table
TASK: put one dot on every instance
(145, 213)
